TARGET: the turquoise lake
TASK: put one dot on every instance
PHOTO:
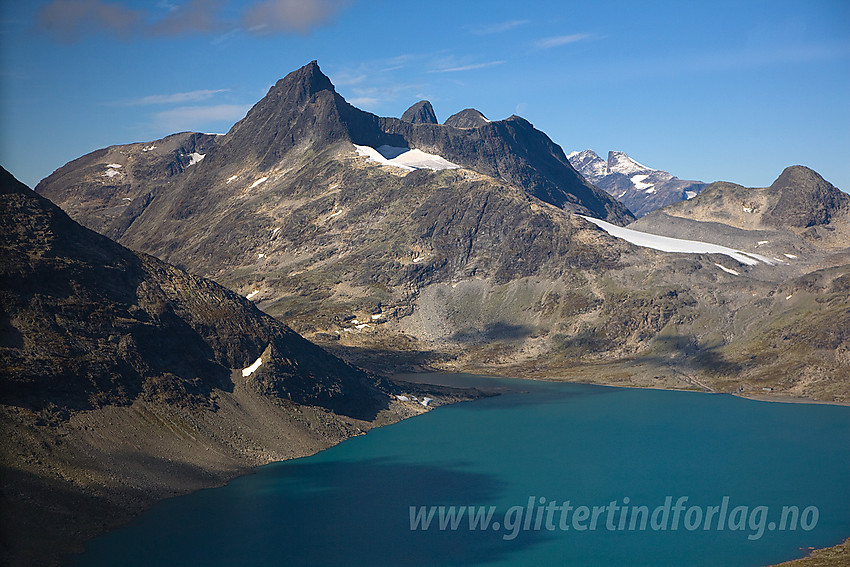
(543, 442)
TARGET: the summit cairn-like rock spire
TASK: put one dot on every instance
(420, 113)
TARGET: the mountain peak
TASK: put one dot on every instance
(467, 118)
(620, 162)
(302, 107)
(804, 199)
(301, 84)
(589, 164)
(420, 113)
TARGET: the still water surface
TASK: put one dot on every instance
(538, 443)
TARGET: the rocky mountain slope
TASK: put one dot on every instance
(799, 219)
(126, 380)
(401, 244)
(641, 188)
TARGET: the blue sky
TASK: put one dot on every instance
(715, 90)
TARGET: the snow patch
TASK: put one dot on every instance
(789, 256)
(638, 181)
(418, 259)
(378, 316)
(727, 270)
(362, 326)
(231, 178)
(148, 148)
(195, 158)
(252, 294)
(257, 182)
(260, 256)
(747, 209)
(251, 369)
(112, 169)
(275, 231)
(761, 242)
(402, 398)
(789, 297)
(334, 214)
(426, 401)
(668, 244)
(405, 158)
(126, 199)
(690, 194)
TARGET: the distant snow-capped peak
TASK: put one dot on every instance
(589, 164)
(642, 189)
(620, 162)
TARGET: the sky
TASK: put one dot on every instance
(733, 91)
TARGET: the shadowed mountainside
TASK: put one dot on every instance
(126, 380)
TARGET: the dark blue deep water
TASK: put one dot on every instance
(545, 442)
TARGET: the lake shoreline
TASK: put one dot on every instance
(758, 397)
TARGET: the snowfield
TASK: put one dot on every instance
(405, 158)
(668, 244)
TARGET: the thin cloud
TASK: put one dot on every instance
(346, 79)
(199, 118)
(70, 20)
(194, 17)
(176, 98)
(289, 16)
(550, 42)
(467, 67)
(365, 101)
(374, 96)
(500, 27)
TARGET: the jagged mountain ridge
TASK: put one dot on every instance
(641, 188)
(303, 110)
(463, 266)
